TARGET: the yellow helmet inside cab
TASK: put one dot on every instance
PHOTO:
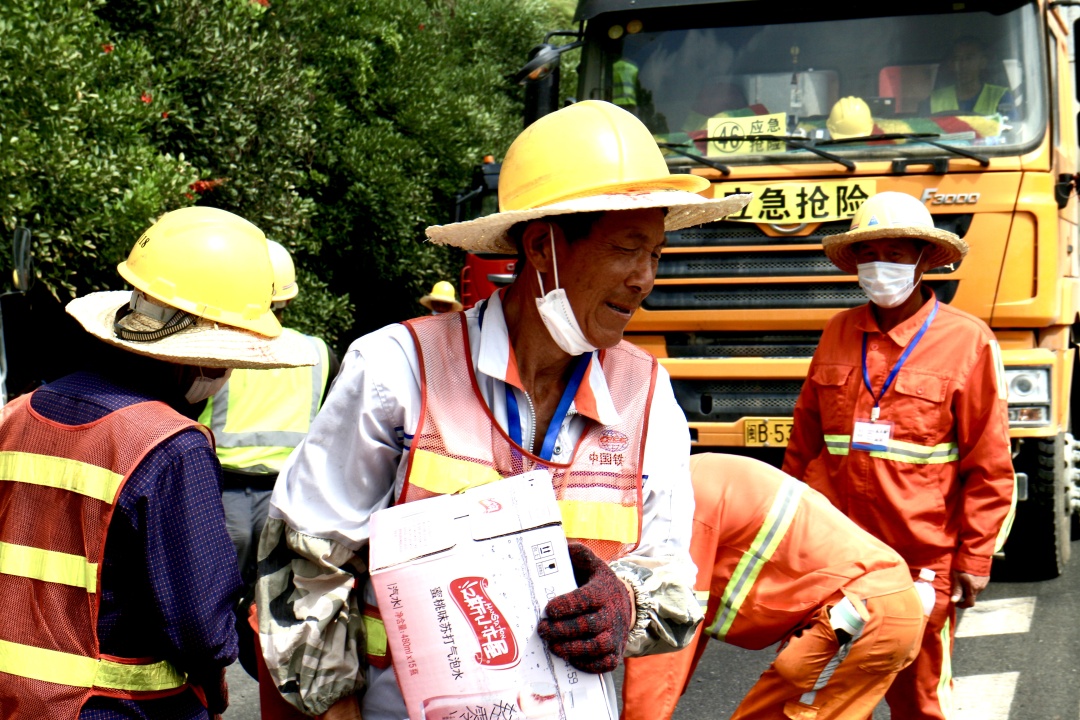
(589, 148)
(207, 262)
(850, 117)
(285, 287)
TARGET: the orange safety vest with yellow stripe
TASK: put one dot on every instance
(59, 490)
(459, 445)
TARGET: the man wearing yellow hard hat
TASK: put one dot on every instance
(257, 418)
(902, 423)
(585, 198)
(117, 573)
(441, 299)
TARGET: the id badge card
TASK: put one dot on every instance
(871, 435)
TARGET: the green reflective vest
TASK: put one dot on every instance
(944, 100)
(624, 80)
(261, 415)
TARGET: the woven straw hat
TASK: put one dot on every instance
(894, 215)
(205, 343)
(588, 157)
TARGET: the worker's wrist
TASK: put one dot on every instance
(642, 605)
(972, 564)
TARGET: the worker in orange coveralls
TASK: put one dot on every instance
(777, 561)
(903, 425)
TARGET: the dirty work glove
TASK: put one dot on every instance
(588, 626)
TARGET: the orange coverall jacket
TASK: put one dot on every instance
(941, 491)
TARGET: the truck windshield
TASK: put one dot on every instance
(706, 76)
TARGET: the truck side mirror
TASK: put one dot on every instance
(541, 79)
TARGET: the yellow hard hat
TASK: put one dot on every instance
(207, 262)
(850, 117)
(894, 215)
(285, 287)
(591, 156)
(442, 291)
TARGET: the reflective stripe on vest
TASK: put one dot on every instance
(85, 672)
(599, 491)
(945, 100)
(899, 451)
(378, 650)
(270, 412)
(443, 475)
(769, 535)
(50, 567)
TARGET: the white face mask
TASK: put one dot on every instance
(204, 387)
(887, 284)
(557, 314)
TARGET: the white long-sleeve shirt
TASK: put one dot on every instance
(353, 462)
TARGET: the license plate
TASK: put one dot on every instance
(770, 432)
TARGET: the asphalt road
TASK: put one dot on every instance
(1018, 658)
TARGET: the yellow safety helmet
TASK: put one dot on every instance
(207, 262)
(285, 287)
(442, 291)
(894, 215)
(850, 117)
(591, 156)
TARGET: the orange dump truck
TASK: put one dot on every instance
(969, 107)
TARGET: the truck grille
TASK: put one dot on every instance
(739, 233)
(769, 296)
(751, 264)
(741, 345)
(729, 400)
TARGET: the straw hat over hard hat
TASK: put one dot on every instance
(894, 215)
(203, 285)
(850, 117)
(588, 157)
(441, 292)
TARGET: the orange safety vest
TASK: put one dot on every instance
(771, 552)
(59, 490)
(458, 443)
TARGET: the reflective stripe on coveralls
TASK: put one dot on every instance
(899, 451)
(753, 560)
(270, 411)
(52, 565)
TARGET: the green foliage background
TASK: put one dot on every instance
(341, 128)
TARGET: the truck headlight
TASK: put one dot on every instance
(1029, 395)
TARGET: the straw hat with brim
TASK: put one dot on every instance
(945, 248)
(685, 209)
(205, 344)
(427, 300)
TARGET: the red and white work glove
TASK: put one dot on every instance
(588, 627)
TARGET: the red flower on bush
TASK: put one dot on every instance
(165, 114)
(147, 98)
(204, 186)
(422, 26)
(107, 47)
(264, 3)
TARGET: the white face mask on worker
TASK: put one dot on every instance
(558, 316)
(203, 388)
(887, 284)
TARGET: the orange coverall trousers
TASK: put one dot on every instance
(804, 682)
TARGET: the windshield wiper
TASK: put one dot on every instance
(794, 141)
(676, 148)
(917, 137)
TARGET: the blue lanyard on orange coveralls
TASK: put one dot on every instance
(876, 411)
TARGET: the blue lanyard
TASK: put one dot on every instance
(899, 363)
(513, 417)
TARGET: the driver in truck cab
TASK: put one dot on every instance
(902, 425)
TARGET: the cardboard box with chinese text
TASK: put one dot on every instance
(461, 582)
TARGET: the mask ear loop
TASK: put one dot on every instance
(554, 260)
(917, 261)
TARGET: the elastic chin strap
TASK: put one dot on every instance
(175, 319)
(554, 260)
